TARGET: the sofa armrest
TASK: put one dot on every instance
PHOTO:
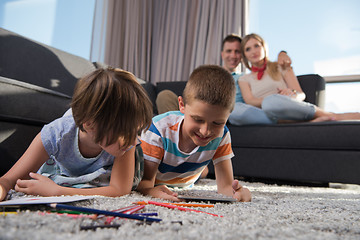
(313, 86)
(151, 91)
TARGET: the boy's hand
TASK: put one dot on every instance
(240, 193)
(3, 193)
(38, 185)
(164, 192)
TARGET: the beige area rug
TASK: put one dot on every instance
(276, 212)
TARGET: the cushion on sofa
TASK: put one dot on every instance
(24, 102)
(320, 136)
(176, 87)
(297, 165)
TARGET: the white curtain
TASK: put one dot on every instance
(164, 40)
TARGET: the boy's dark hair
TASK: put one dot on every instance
(230, 38)
(114, 102)
(211, 84)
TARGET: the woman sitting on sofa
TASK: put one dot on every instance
(275, 91)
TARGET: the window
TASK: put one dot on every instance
(63, 24)
(320, 36)
(342, 97)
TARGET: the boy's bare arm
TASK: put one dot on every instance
(30, 161)
(147, 184)
(227, 185)
(148, 181)
(120, 183)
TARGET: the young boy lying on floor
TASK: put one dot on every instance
(180, 144)
(92, 149)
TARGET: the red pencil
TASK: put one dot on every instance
(128, 210)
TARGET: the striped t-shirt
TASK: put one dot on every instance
(177, 168)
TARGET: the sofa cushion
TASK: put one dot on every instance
(176, 87)
(27, 103)
(321, 136)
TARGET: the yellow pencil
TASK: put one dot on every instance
(6, 213)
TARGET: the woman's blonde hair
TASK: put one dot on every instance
(271, 68)
(114, 102)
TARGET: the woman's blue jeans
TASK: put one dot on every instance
(274, 107)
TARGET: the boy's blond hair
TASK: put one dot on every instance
(211, 84)
(116, 104)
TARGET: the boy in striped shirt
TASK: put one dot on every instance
(180, 144)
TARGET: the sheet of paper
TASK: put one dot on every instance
(43, 200)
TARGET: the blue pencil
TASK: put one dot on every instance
(145, 214)
(103, 212)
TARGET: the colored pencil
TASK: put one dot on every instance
(72, 215)
(126, 210)
(180, 208)
(183, 204)
(103, 212)
(69, 212)
(134, 209)
(7, 213)
(146, 214)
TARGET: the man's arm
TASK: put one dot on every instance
(284, 60)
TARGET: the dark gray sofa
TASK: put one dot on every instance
(309, 153)
(36, 84)
(302, 152)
